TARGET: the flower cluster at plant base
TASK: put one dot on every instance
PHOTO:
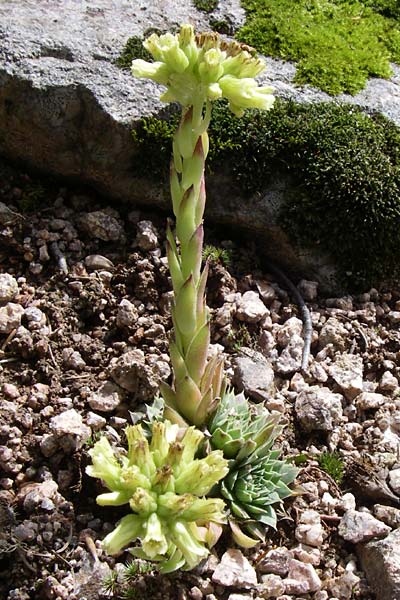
(164, 485)
(257, 479)
(196, 69)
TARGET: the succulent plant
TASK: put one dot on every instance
(164, 485)
(257, 480)
(238, 427)
(196, 70)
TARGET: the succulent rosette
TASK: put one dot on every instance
(238, 427)
(165, 487)
(196, 70)
(258, 481)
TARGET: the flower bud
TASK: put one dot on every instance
(157, 71)
(154, 543)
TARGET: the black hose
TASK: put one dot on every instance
(304, 312)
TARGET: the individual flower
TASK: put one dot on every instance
(165, 487)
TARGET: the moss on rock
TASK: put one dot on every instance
(133, 49)
(337, 44)
(345, 165)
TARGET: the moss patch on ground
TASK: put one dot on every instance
(345, 165)
(337, 44)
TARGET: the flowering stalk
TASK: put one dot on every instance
(196, 71)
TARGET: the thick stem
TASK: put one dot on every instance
(197, 381)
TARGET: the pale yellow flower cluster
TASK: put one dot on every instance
(204, 67)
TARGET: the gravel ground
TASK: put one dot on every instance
(84, 322)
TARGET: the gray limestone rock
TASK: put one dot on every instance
(96, 262)
(302, 578)
(146, 237)
(235, 570)
(347, 372)
(139, 374)
(99, 224)
(254, 375)
(356, 527)
(249, 308)
(68, 110)
(69, 430)
(8, 288)
(380, 560)
(10, 317)
(318, 409)
(106, 398)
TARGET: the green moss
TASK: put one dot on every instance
(155, 139)
(337, 44)
(206, 5)
(388, 8)
(345, 165)
(133, 49)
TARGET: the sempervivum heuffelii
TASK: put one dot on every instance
(196, 70)
(258, 480)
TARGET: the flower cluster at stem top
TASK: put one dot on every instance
(200, 68)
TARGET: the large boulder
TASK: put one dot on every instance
(68, 110)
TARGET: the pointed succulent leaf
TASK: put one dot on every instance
(185, 308)
(193, 167)
(205, 407)
(201, 195)
(188, 398)
(240, 537)
(174, 416)
(186, 138)
(178, 336)
(179, 364)
(185, 220)
(191, 254)
(196, 355)
(174, 268)
(175, 189)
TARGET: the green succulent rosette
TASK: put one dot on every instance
(238, 427)
(196, 70)
(258, 481)
(165, 487)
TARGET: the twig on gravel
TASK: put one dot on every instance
(304, 312)
(8, 360)
(53, 360)
(8, 339)
(91, 546)
(22, 556)
(59, 256)
(67, 543)
(330, 519)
